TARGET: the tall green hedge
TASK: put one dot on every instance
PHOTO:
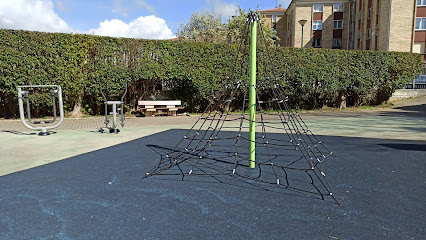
(190, 71)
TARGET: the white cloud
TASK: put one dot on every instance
(226, 9)
(144, 4)
(149, 27)
(118, 8)
(39, 15)
(35, 15)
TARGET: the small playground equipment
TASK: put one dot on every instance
(24, 93)
(274, 149)
(114, 112)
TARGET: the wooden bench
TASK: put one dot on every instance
(151, 108)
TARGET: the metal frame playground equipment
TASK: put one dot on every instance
(114, 104)
(22, 93)
(266, 149)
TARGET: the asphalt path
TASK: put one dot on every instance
(380, 184)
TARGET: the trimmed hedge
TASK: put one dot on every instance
(190, 71)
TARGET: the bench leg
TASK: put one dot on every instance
(172, 113)
(149, 113)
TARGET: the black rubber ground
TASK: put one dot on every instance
(99, 195)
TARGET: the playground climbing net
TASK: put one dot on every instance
(287, 153)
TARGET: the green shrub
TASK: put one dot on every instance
(191, 71)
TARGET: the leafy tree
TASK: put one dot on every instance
(204, 27)
(208, 27)
(235, 27)
(190, 71)
(76, 54)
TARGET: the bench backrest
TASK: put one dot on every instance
(160, 103)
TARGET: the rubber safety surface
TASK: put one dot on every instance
(99, 195)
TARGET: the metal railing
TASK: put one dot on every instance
(419, 81)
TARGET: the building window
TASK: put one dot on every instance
(274, 22)
(337, 42)
(420, 23)
(338, 7)
(317, 7)
(370, 10)
(338, 24)
(368, 33)
(421, 2)
(316, 42)
(359, 34)
(360, 15)
(317, 25)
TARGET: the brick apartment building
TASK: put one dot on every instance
(327, 24)
(380, 25)
(384, 25)
(275, 18)
(419, 41)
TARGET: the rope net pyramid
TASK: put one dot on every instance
(287, 153)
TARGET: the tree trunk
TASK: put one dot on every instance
(342, 100)
(76, 112)
(98, 108)
(12, 108)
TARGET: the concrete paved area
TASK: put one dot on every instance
(21, 148)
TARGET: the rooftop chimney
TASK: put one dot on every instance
(279, 6)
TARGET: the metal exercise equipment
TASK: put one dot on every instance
(24, 93)
(114, 112)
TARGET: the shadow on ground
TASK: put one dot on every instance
(412, 110)
(18, 132)
(406, 147)
(23, 133)
(100, 195)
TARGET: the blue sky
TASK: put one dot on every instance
(151, 19)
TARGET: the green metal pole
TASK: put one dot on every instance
(252, 95)
(302, 38)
